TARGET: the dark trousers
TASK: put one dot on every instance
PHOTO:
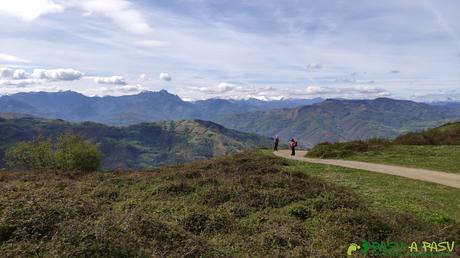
(276, 146)
(292, 151)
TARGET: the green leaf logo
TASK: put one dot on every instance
(352, 248)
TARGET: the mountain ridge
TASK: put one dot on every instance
(342, 120)
(141, 145)
(147, 106)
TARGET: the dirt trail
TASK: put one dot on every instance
(438, 177)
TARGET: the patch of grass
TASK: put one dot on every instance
(439, 157)
(249, 204)
(346, 149)
(429, 202)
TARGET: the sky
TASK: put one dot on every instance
(201, 49)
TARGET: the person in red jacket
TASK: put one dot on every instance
(292, 144)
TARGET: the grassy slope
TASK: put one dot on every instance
(430, 202)
(248, 204)
(436, 157)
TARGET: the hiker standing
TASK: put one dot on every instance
(292, 144)
(277, 141)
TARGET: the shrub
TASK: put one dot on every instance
(301, 212)
(35, 154)
(70, 153)
(73, 153)
(435, 136)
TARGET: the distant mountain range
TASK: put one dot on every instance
(344, 120)
(133, 109)
(309, 120)
(141, 145)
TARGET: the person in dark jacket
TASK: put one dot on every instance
(277, 141)
(292, 144)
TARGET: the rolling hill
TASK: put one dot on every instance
(141, 145)
(133, 109)
(447, 134)
(343, 120)
(243, 205)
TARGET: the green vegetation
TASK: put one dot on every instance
(342, 120)
(70, 153)
(430, 202)
(138, 146)
(74, 153)
(443, 157)
(437, 149)
(248, 204)
(448, 134)
(346, 149)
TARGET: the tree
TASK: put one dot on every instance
(75, 153)
(70, 153)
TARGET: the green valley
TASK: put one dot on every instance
(138, 146)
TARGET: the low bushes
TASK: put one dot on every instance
(69, 153)
(448, 134)
(345, 149)
(255, 209)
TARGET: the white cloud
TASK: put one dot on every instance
(11, 59)
(110, 80)
(227, 90)
(144, 78)
(314, 66)
(130, 88)
(118, 90)
(57, 74)
(354, 81)
(150, 43)
(165, 76)
(6, 73)
(119, 11)
(20, 74)
(20, 78)
(20, 82)
(364, 90)
(220, 88)
(29, 10)
(16, 74)
(316, 90)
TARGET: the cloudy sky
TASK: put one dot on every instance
(233, 49)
